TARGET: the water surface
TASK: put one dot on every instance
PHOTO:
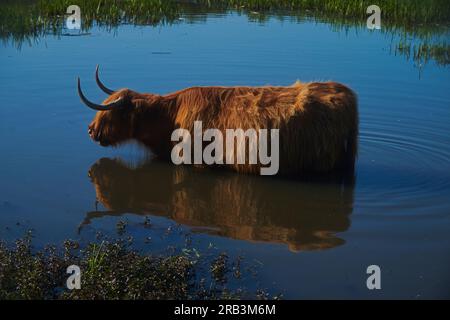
(313, 239)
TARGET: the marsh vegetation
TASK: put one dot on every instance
(112, 269)
(419, 28)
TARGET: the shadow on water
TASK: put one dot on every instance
(304, 216)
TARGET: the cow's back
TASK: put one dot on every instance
(318, 122)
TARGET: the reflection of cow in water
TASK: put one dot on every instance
(304, 216)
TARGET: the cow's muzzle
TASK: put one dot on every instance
(96, 136)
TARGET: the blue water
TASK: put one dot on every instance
(312, 240)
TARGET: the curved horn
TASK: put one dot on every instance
(100, 84)
(116, 103)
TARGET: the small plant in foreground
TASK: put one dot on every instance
(113, 270)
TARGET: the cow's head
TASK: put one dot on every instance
(114, 122)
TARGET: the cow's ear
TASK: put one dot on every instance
(126, 98)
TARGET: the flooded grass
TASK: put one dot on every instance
(111, 269)
(27, 21)
(400, 12)
(24, 21)
(33, 18)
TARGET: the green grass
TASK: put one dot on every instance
(36, 17)
(402, 12)
(113, 270)
(27, 21)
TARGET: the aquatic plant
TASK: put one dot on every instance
(112, 269)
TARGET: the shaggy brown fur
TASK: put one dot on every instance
(236, 206)
(318, 122)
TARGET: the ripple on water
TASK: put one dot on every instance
(401, 168)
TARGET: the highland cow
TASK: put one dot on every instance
(317, 121)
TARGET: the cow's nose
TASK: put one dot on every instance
(90, 131)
